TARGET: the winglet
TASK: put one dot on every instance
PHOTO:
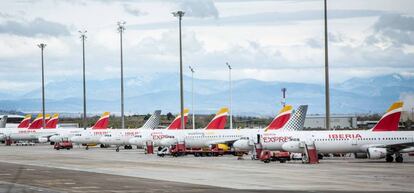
(281, 119)
(176, 123)
(220, 120)
(389, 121)
(102, 122)
(52, 123)
(25, 122)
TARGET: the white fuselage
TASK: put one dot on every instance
(33, 134)
(336, 141)
(89, 136)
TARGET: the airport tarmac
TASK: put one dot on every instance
(97, 170)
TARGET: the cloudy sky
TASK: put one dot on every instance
(266, 40)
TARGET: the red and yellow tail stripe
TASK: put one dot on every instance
(281, 119)
(102, 122)
(25, 122)
(220, 120)
(52, 123)
(389, 121)
(176, 123)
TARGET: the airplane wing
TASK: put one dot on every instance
(395, 147)
(398, 147)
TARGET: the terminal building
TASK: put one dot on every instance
(337, 122)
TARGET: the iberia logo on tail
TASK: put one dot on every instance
(25, 122)
(176, 123)
(389, 121)
(220, 120)
(52, 123)
(37, 123)
(281, 119)
(102, 122)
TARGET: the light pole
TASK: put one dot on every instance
(180, 14)
(192, 93)
(230, 98)
(83, 37)
(327, 110)
(121, 29)
(42, 47)
(284, 96)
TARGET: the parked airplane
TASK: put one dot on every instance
(155, 136)
(93, 136)
(207, 138)
(383, 141)
(121, 137)
(29, 133)
(100, 126)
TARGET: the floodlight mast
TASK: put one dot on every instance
(42, 47)
(83, 37)
(121, 29)
(327, 102)
(192, 94)
(180, 14)
(230, 98)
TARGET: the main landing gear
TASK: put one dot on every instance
(398, 158)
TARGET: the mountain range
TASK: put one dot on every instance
(250, 97)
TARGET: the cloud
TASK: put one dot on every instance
(393, 30)
(36, 27)
(268, 18)
(134, 11)
(200, 8)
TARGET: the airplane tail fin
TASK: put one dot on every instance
(3, 121)
(52, 123)
(176, 123)
(25, 122)
(102, 122)
(297, 120)
(47, 118)
(37, 123)
(153, 121)
(281, 119)
(220, 120)
(389, 121)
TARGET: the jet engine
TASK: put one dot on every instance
(242, 145)
(166, 142)
(377, 153)
(43, 139)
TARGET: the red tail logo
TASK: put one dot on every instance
(281, 119)
(52, 123)
(37, 123)
(219, 121)
(389, 121)
(176, 123)
(102, 122)
(25, 122)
